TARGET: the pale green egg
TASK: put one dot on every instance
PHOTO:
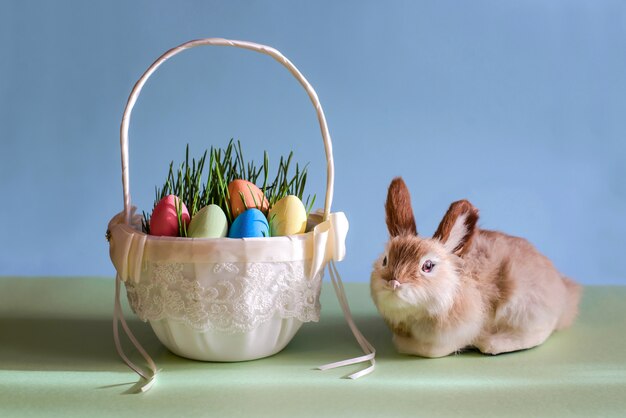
(287, 217)
(208, 222)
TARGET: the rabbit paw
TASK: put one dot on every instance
(497, 344)
(408, 345)
(507, 342)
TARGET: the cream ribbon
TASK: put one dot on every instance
(368, 349)
(150, 375)
(330, 238)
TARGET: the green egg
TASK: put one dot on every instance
(208, 222)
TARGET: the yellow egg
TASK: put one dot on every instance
(287, 217)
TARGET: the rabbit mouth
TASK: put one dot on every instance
(393, 284)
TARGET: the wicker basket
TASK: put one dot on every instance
(226, 299)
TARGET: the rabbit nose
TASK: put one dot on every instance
(394, 284)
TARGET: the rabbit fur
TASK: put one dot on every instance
(465, 287)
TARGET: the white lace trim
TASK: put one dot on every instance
(227, 297)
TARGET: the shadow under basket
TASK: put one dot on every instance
(224, 299)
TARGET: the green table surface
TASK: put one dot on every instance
(57, 358)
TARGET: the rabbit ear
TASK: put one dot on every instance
(457, 227)
(400, 219)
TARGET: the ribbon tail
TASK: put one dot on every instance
(368, 349)
(148, 376)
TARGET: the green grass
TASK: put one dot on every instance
(199, 183)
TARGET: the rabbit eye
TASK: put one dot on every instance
(385, 261)
(428, 266)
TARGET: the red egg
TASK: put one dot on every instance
(164, 219)
(241, 197)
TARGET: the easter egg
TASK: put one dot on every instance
(245, 195)
(251, 223)
(208, 222)
(164, 219)
(287, 217)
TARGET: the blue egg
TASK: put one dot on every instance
(250, 223)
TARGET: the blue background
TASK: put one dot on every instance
(518, 106)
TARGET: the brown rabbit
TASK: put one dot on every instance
(465, 287)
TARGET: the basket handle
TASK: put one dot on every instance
(134, 94)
